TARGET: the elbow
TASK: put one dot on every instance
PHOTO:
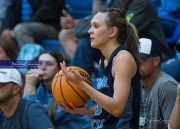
(116, 113)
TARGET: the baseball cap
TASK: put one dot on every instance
(149, 48)
(178, 45)
(10, 75)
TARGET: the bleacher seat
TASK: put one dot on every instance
(79, 8)
(172, 39)
(50, 44)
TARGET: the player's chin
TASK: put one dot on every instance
(93, 45)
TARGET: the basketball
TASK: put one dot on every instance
(67, 92)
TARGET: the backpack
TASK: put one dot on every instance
(29, 52)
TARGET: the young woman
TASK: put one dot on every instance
(118, 74)
(48, 67)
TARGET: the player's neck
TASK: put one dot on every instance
(9, 107)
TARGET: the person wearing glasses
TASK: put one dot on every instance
(118, 71)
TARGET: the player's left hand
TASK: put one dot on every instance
(72, 76)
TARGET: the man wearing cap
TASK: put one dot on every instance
(158, 92)
(15, 112)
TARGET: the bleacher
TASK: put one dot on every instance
(77, 9)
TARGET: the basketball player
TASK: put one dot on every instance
(118, 72)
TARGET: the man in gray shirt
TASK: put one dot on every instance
(158, 92)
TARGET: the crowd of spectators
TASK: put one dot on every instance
(32, 21)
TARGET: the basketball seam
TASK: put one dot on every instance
(62, 92)
(76, 91)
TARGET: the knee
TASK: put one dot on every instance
(65, 34)
(19, 29)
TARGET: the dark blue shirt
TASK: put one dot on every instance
(28, 115)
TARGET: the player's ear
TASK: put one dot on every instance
(113, 32)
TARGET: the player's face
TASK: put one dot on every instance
(48, 65)
(6, 91)
(99, 33)
(147, 66)
(3, 55)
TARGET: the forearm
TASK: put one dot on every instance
(29, 90)
(107, 103)
(96, 5)
(175, 115)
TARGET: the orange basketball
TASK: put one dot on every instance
(67, 92)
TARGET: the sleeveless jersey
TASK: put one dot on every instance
(130, 116)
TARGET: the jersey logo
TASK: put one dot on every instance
(98, 110)
(102, 83)
(98, 124)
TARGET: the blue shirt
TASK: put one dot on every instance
(167, 8)
(63, 120)
(26, 10)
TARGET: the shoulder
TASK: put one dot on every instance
(166, 84)
(124, 61)
(124, 57)
(165, 79)
(31, 106)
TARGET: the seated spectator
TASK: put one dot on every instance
(168, 11)
(172, 66)
(141, 13)
(30, 21)
(158, 92)
(8, 52)
(41, 79)
(3, 7)
(67, 40)
(175, 115)
(16, 112)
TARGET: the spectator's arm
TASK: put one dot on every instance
(171, 5)
(10, 19)
(175, 116)
(96, 5)
(38, 118)
(47, 10)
